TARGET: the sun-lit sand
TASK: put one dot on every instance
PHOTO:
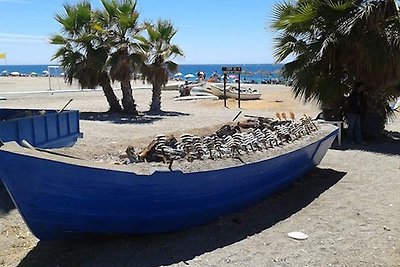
(349, 206)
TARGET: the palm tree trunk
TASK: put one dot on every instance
(110, 95)
(127, 98)
(373, 124)
(155, 106)
(375, 118)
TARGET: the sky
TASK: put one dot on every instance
(209, 31)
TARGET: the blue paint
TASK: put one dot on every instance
(59, 199)
(50, 130)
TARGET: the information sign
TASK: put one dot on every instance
(228, 70)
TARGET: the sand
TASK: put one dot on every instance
(349, 206)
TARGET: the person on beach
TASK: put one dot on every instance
(355, 112)
(185, 89)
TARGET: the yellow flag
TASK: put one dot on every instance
(2, 55)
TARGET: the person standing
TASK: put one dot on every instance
(355, 113)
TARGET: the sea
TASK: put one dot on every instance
(250, 72)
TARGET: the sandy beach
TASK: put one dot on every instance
(349, 206)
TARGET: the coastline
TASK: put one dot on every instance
(348, 206)
(258, 72)
(37, 85)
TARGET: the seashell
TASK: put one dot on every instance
(298, 235)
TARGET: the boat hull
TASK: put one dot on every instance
(59, 198)
(47, 130)
(201, 96)
(218, 91)
(172, 86)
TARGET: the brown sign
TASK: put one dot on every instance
(227, 70)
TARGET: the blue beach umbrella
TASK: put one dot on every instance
(189, 75)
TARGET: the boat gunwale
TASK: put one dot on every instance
(42, 154)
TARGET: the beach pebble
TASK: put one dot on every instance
(298, 235)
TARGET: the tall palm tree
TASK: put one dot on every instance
(337, 42)
(159, 53)
(82, 54)
(121, 24)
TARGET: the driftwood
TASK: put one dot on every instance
(132, 156)
(227, 130)
(246, 124)
(150, 154)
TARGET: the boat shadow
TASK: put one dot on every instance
(171, 248)
(118, 118)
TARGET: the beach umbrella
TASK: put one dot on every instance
(189, 75)
(15, 73)
(178, 74)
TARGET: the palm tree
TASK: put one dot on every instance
(121, 25)
(82, 54)
(158, 53)
(336, 43)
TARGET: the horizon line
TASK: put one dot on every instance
(49, 64)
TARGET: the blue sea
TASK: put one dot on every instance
(255, 72)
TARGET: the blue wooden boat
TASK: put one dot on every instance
(41, 128)
(60, 197)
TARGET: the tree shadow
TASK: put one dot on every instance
(120, 118)
(166, 249)
(387, 144)
(6, 204)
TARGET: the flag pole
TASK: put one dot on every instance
(3, 55)
(48, 73)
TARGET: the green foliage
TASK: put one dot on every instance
(78, 53)
(158, 53)
(99, 45)
(333, 43)
(120, 22)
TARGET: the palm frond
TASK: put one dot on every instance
(280, 12)
(340, 5)
(334, 43)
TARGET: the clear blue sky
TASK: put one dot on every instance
(209, 31)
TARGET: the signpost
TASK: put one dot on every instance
(229, 70)
(232, 70)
